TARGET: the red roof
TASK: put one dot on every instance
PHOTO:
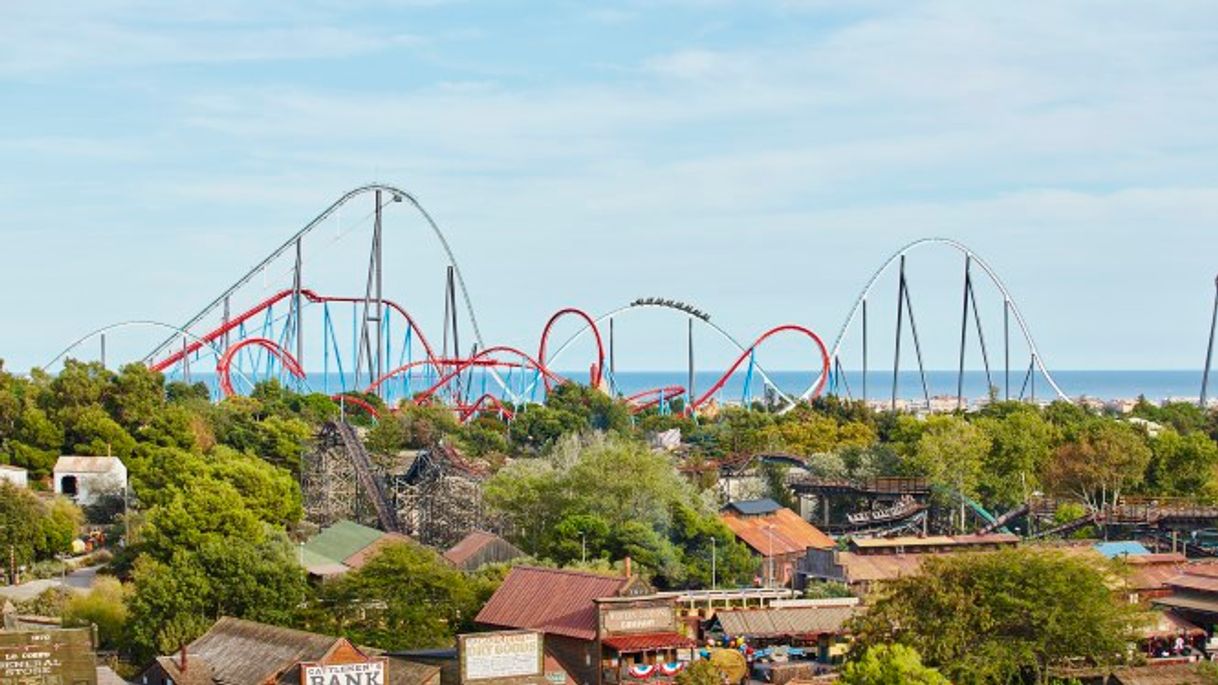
(778, 533)
(550, 600)
(646, 642)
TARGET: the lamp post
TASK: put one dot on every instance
(770, 580)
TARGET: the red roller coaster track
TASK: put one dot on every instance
(222, 366)
(311, 296)
(450, 369)
(597, 369)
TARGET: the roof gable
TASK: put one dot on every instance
(781, 532)
(342, 540)
(241, 651)
(550, 600)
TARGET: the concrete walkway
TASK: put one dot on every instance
(79, 580)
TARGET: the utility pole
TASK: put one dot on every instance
(690, 397)
(583, 547)
(770, 581)
(714, 569)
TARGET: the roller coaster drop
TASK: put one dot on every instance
(266, 340)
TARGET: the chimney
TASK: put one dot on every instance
(628, 574)
(182, 658)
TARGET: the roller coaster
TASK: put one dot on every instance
(372, 346)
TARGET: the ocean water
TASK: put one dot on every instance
(1117, 384)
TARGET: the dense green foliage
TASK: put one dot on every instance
(404, 598)
(998, 617)
(215, 498)
(890, 665)
(610, 498)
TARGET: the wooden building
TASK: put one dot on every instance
(237, 652)
(596, 627)
(480, 548)
(778, 537)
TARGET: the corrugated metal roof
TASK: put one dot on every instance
(782, 622)
(647, 642)
(1193, 603)
(241, 652)
(341, 540)
(782, 532)
(481, 545)
(754, 507)
(550, 600)
(1188, 581)
(866, 568)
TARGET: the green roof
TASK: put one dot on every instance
(339, 541)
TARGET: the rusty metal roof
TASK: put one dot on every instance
(647, 642)
(239, 652)
(777, 533)
(785, 622)
(551, 600)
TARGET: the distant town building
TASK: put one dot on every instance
(237, 652)
(480, 548)
(777, 536)
(15, 475)
(344, 546)
(87, 480)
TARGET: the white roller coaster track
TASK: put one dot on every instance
(396, 195)
(216, 351)
(965, 250)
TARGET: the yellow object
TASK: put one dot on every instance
(731, 663)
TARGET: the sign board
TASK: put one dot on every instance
(370, 672)
(47, 657)
(657, 619)
(501, 656)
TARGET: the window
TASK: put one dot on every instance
(67, 485)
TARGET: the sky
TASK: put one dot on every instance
(758, 159)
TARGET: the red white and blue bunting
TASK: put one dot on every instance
(672, 668)
(642, 671)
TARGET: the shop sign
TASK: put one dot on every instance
(47, 656)
(645, 620)
(363, 673)
(502, 655)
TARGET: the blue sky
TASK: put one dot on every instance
(757, 158)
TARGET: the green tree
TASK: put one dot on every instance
(998, 617)
(890, 665)
(1104, 459)
(406, 597)
(1021, 442)
(700, 672)
(1183, 465)
(949, 451)
(174, 601)
(21, 528)
(104, 606)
